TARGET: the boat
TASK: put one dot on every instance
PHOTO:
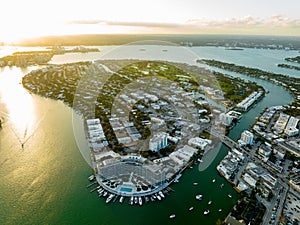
(161, 194)
(214, 180)
(220, 210)
(135, 200)
(177, 177)
(209, 202)
(191, 208)
(92, 177)
(206, 212)
(172, 216)
(200, 160)
(199, 197)
(229, 195)
(131, 200)
(222, 185)
(140, 200)
(109, 198)
(105, 193)
(158, 197)
(146, 198)
(195, 183)
(121, 199)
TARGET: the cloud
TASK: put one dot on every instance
(124, 23)
(276, 23)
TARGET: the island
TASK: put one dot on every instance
(291, 84)
(30, 58)
(287, 66)
(145, 121)
(293, 59)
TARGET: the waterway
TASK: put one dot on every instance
(44, 181)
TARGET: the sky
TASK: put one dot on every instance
(33, 18)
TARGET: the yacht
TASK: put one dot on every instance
(109, 198)
(195, 183)
(229, 195)
(199, 197)
(121, 199)
(209, 202)
(172, 216)
(135, 200)
(206, 212)
(158, 197)
(214, 180)
(91, 177)
(191, 208)
(140, 200)
(161, 194)
(220, 210)
(105, 193)
(131, 200)
(222, 185)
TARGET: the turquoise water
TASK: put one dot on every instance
(45, 181)
(126, 189)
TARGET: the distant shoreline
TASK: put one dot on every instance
(229, 41)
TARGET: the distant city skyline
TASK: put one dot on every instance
(32, 18)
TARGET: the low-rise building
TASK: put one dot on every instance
(198, 142)
(291, 127)
(225, 119)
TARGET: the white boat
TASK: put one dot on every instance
(229, 195)
(206, 212)
(214, 180)
(161, 194)
(91, 177)
(209, 202)
(172, 216)
(140, 200)
(220, 210)
(222, 185)
(158, 197)
(131, 200)
(146, 198)
(195, 183)
(109, 198)
(105, 193)
(121, 199)
(135, 200)
(191, 208)
(199, 197)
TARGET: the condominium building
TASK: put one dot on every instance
(158, 141)
(246, 138)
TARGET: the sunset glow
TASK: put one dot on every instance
(27, 19)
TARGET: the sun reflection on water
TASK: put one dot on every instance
(18, 103)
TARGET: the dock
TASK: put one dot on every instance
(91, 184)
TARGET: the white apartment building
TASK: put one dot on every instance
(246, 138)
(158, 141)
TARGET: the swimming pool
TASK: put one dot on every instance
(125, 189)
